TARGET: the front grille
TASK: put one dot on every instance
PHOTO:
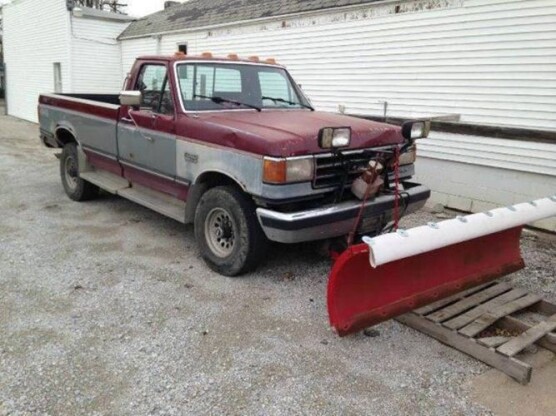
(330, 170)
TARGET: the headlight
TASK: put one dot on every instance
(288, 170)
(330, 137)
(413, 130)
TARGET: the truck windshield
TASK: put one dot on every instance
(208, 86)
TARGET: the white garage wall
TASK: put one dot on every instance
(131, 49)
(36, 35)
(492, 62)
(475, 174)
(97, 59)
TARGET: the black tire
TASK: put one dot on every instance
(75, 187)
(227, 211)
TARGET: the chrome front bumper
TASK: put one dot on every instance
(338, 219)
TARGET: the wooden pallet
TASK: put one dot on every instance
(481, 322)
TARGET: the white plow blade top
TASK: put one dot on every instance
(406, 243)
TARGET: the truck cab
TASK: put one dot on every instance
(235, 147)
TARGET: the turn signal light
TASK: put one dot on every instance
(274, 170)
(288, 170)
(254, 58)
(207, 55)
(271, 61)
(233, 57)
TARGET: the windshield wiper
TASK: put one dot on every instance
(281, 100)
(220, 100)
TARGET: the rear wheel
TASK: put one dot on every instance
(75, 187)
(227, 231)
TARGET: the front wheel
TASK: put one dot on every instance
(227, 231)
(75, 187)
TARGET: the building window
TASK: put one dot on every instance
(182, 47)
(58, 86)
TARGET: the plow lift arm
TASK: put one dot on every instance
(395, 273)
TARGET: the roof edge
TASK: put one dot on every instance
(261, 19)
(88, 12)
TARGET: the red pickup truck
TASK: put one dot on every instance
(235, 147)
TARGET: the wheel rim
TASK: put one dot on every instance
(220, 232)
(71, 173)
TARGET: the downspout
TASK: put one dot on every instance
(70, 52)
(158, 39)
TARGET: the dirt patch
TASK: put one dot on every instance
(505, 397)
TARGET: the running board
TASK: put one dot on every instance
(156, 201)
(159, 202)
(106, 180)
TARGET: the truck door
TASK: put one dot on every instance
(146, 136)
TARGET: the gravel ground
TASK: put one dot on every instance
(106, 309)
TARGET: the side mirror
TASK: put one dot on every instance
(131, 98)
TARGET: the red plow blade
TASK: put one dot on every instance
(360, 296)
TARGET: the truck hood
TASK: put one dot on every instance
(294, 133)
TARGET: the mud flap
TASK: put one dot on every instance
(360, 296)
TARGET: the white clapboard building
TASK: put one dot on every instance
(48, 47)
(485, 69)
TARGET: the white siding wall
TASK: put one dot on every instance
(492, 62)
(36, 35)
(131, 49)
(475, 174)
(97, 60)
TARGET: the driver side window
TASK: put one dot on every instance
(155, 89)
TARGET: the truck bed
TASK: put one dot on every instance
(93, 118)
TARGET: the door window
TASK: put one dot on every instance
(155, 88)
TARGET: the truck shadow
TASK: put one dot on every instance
(282, 261)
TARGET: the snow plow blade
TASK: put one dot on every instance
(395, 273)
